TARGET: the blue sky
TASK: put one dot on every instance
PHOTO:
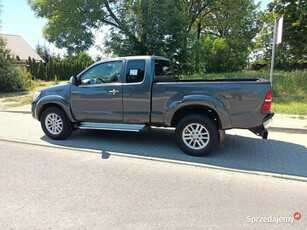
(18, 18)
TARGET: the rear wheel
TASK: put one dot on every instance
(55, 123)
(197, 135)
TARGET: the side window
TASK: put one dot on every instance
(135, 71)
(163, 70)
(102, 73)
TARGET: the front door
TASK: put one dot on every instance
(98, 98)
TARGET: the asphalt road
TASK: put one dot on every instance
(49, 188)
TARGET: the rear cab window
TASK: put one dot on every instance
(135, 71)
(163, 70)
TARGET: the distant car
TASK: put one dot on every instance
(134, 93)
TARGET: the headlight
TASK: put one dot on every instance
(36, 94)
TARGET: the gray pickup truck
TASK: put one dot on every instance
(134, 93)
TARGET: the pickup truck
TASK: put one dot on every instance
(135, 93)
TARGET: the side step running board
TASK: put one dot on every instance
(112, 126)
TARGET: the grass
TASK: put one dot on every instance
(16, 99)
(299, 117)
(16, 102)
(290, 107)
(39, 85)
(13, 94)
(289, 88)
(302, 118)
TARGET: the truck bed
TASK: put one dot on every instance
(239, 99)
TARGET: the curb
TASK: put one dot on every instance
(259, 173)
(288, 130)
(8, 111)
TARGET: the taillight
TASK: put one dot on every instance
(267, 103)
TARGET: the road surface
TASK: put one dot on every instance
(50, 188)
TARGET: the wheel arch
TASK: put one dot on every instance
(59, 102)
(198, 104)
(195, 109)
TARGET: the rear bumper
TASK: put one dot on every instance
(267, 120)
(261, 130)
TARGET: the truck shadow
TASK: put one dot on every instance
(245, 153)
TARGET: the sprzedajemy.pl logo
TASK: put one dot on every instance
(274, 219)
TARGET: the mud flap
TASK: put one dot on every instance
(260, 131)
(222, 138)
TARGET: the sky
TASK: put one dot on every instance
(17, 18)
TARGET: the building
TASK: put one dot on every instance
(19, 47)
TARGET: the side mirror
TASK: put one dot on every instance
(73, 80)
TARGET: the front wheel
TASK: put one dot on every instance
(55, 123)
(197, 135)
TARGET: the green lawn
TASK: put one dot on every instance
(289, 107)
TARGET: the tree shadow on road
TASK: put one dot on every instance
(240, 152)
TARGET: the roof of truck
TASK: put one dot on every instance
(134, 57)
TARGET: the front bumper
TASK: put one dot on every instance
(33, 109)
(261, 130)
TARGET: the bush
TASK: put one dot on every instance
(56, 81)
(14, 79)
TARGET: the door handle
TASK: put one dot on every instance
(113, 91)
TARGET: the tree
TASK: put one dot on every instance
(29, 64)
(43, 52)
(11, 79)
(83, 57)
(50, 73)
(70, 22)
(223, 38)
(137, 27)
(41, 71)
(4, 56)
(34, 68)
(171, 28)
(295, 25)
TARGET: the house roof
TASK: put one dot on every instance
(20, 47)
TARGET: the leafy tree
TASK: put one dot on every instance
(83, 57)
(4, 56)
(225, 38)
(171, 28)
(11, 79)
(198, 13)
(137, 27)
(295, 25)
(285, 59)
(43, 52)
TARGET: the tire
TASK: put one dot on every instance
(197, 135)
(55, 123)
